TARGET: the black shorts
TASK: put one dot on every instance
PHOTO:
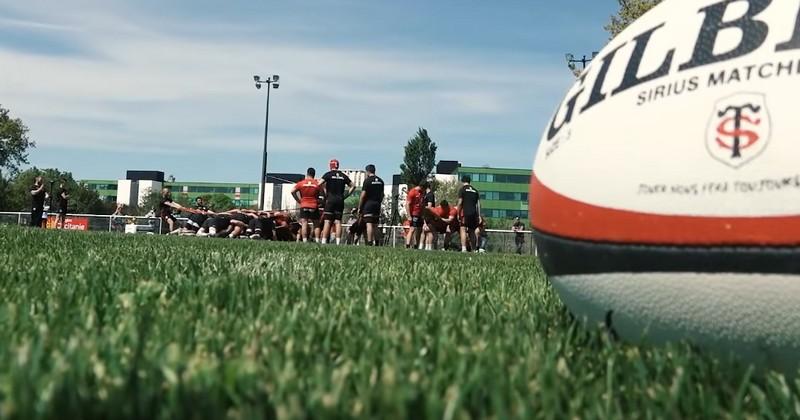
(196, 220)
(417, 221)
(334, 208)
(470, 222)
(254, 226)
(371, 212)
(167, 215)
(191, 225)
(310, 215)
(239, 219)
(222, 222)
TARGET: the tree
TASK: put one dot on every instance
(447, 191)
(82, 200)
(629, 11)
(151, 201)
(352, 202)
(420, 158)
(220, 202)
(14, 143)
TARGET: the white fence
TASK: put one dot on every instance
(503, 241)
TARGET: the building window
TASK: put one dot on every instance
(506, 214)
(499, 178)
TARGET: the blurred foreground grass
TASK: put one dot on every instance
(113, 326)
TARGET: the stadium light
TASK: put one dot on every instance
(572, 61)
(270, 82)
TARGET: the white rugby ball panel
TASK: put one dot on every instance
(754, 316)
(691, 111)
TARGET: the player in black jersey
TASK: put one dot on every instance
(197, 216)
(165, 207)
(469, 209)
(334, 183)
(369, 205)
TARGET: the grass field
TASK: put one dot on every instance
(113, 326)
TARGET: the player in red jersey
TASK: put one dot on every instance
(414, 212)
(283, 227)
(305, 193)
(439, 219)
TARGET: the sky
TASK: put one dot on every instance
(106, 85)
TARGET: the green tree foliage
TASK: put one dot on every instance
(447, 191)
(420, 158)
(352, 202)
(629, 11)
(150, 202)
(182, 199)
(14, 143)
(220, 202)
(82, 200)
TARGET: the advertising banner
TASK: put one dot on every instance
(70, 223)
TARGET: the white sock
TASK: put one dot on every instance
(324, 241)
(338, 241)
(429, 247)
(305, 239)
(463, 249)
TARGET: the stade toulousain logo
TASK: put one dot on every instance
(739, 129)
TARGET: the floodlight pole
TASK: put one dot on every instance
(270, 82)
(571, 61)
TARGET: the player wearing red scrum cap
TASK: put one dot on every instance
(334, 183)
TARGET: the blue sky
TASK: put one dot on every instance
(108, 85)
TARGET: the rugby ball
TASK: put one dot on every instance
(666, 187)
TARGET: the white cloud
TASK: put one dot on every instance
(144, 88)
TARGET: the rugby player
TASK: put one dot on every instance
(320, 221)
(165, 207)
(334, 183)
(38, 194)
(197, 216)
(428, 202)
(369, 205)
(439, 220)
(284, 227)
(414, 212)
(305, 193)
(261, 227)
(63, 201)
(239, 222)
(469, 208)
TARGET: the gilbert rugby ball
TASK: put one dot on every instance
(666, 187)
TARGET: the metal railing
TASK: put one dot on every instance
(497, 240)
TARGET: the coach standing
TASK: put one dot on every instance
(37, 202)
(63, 202)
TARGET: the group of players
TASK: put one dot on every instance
(427, 220)
(322, 202)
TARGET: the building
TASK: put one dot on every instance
(503, 191)
(106, 189)
(137, 184)
(358, 177)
